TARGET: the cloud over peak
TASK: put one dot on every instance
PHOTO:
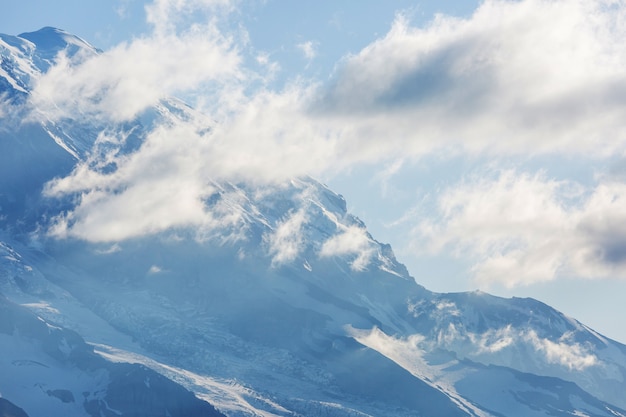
(514, 79)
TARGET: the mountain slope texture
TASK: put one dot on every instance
(279, 304)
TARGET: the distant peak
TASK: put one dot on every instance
(47, 32)
(52, 40)
(48, 29)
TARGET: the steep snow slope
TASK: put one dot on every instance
(526, 335)
(223, 309)
(288, 307)
(227, 309)
(22, 282)
(27, 136)
(49, 370)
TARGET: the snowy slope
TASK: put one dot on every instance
(304, 318)
(526, 335)
(288, 308)
(49, 370)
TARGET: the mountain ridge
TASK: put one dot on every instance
(288, 307)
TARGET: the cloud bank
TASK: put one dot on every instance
(119, 84)
(514, 79)
(523, 228)
(531, 76)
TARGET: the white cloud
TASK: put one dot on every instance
(155, 269)
(493, 341)
(488, 346)
(167, 15)
(268, 137)
(119, 84)
(121, 9)
(517, 76)
(521, 229)
(265, 61)
(352, 240)
(165, 183)
(504, 345)
(286, 240)
(138, 210)
(162, 186)
(530, 76)
(407, 352)
(562, 352)
(110, 249)
(308, 49)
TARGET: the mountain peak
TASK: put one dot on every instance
(266, 299)
(49, 41)
(53, 39)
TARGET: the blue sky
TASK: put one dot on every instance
(483, 140)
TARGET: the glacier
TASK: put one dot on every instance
(285, 305)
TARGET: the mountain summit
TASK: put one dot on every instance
(276, 301)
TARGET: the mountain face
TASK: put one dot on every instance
(291, 308)
(52, 371)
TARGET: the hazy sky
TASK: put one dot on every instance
(483, 140)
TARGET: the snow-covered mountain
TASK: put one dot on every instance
(52, 371)
(288, 307)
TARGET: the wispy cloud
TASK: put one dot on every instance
(119, 84)
(286, 240)
(162, 186)
(503, 345)
(168, 15)
(121, 9)
(563, 352)
(515, 78)
(308, 49)
(521, 228)
(352, 240)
